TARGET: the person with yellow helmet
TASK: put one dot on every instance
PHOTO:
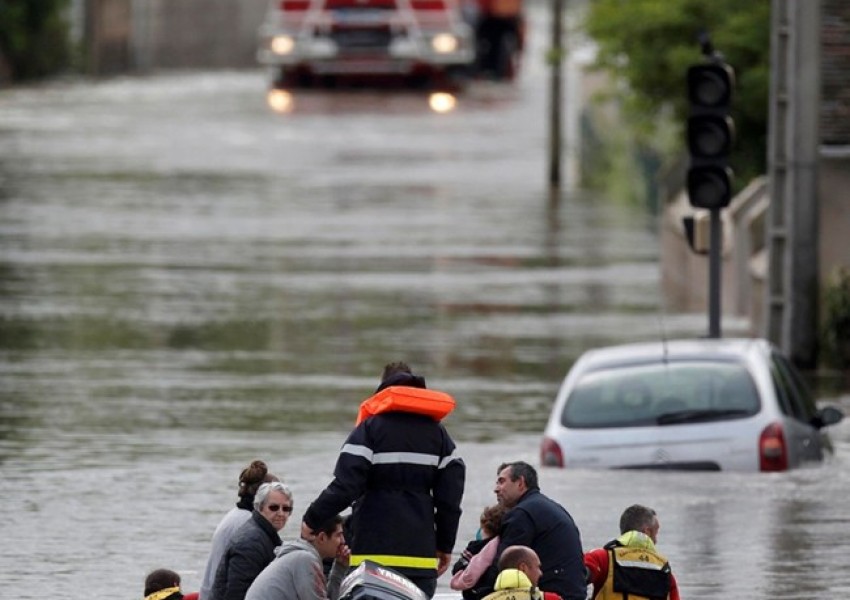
(519, 575)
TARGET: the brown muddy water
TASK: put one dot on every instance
(189, 281)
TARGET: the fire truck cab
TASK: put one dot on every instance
(322, 41)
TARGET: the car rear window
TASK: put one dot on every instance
(661, 394)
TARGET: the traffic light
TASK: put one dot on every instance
(711, 133)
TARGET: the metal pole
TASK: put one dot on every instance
(714, 253)
(555, 96)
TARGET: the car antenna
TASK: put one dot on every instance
(663, 330)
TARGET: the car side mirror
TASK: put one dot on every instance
(827, 416)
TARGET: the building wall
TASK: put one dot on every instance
(107, 31)
(140, 35)
(196, 33)
(684, 273)
(834, 198)
(834, 165)
(835, 72)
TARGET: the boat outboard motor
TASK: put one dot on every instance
(371, 581)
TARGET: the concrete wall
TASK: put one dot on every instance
(834, 198)
(140, 35)
(196, 33)
(684, 273)
(107, 31)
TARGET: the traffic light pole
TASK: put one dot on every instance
(710, 134)
(714, 256)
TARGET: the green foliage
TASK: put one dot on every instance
(649, 44)
(836, 324)
(34, 37)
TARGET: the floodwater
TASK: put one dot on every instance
(190, 280)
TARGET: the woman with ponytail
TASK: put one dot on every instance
(251, 478)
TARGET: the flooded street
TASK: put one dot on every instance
(190, 281)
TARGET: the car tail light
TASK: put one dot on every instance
(294, 5)
(550, 453)
(773, 451)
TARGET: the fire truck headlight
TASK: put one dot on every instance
(282, 44)
(444, 43)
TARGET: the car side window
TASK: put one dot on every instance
(783, 392)
(802, 406)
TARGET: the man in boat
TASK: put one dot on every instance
(399, 472)
(298, 573)
(630, 566)
(539, 522)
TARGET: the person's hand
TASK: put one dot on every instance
(444, 559)
(343, 555)
(306, 532)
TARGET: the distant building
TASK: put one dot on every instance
(141, 35)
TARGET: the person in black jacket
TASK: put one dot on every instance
(399, 472)
(542, 524)
(253, 545)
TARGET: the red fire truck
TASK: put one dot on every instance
(440, 43)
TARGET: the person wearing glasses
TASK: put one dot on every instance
(298, 571)
(253, 545)
(251, 478)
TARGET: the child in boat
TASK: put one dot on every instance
(164, 584)
(478, 555)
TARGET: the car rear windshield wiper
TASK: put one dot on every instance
(699, 415)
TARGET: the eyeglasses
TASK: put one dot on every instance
(277, 507)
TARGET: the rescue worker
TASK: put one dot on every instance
(519, 574)
(399, 472)
(629, 567)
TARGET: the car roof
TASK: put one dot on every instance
(679, 349)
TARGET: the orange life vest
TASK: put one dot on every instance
(401, 398)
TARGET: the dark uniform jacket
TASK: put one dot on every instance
(250, 550)
(545, 526)
(400, 472)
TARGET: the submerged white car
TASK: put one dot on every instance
(705, 404)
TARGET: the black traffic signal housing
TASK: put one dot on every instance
(710, 133)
